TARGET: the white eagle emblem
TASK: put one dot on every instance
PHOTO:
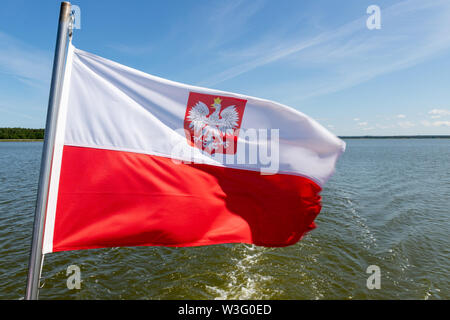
(210, 130)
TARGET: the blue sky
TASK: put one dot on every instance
(316, 56)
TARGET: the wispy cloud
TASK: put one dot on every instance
(441, 123)
(427, 123)
(438, 113)
(217, 24)
(15, 113)
(351, 54)
(227, 19)
(24, 62)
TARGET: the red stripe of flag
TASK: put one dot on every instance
(114, 198)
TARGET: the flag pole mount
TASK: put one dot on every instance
(36, 257)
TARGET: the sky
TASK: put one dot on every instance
(316, 56)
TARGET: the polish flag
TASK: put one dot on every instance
(144, 161)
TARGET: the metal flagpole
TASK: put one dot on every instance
(36, 257)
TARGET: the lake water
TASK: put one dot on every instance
(388, 205)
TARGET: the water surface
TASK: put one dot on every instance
(386, 205)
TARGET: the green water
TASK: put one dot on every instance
(386, 205)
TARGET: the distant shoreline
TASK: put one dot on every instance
(21, 134)
(341, 137)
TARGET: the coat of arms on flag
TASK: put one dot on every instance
(212, 122)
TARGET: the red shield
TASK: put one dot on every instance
(212, 122)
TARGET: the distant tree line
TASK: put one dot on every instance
(21, 133)
(38, 134)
